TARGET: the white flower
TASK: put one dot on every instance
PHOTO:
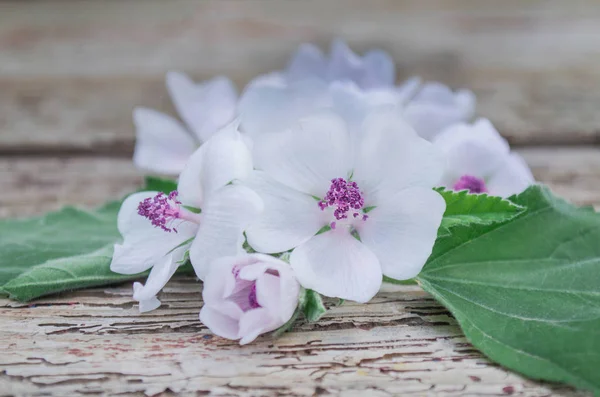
(436, 107)
(158, 229)
(375, 185)
(248, 295)
(478, 159)
(163, 144)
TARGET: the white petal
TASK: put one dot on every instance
(160, 274)
(162, 144)
(336, 264)
(225, 216)
(307, 62)
(220, 324)
(268, 292)
(380, 70)
(272, 107)
(253, 323)
(205, 107)
(354, 104)
(512, 177)
(408, 88)
(144, 245)
(345, 64)
(219, 281)
(289, 217)
(476, 150)
(220, 160)
(392, 157)
(307, 157)
(149, 304)
(436, 107)
(402, 229)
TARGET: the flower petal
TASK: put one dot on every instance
(160, 274)
(380, 70)
(225, 216)
(253, 323)
(220, 160)
(149, 304)
(345, 64)
(144, 245)
(205, 107)
(271, 106)
(162, 143)
(436, 107)
(219, 323)
(289, 217)
(471, 149)
(308, 156)
(392, 157)
(512, 177)
(402, 229)
(308, 61)
(279, 293)
(336, 264)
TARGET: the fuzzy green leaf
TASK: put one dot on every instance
(56, 275)
(313, 306)
(527, 292)
(25, 243)
(463, 208)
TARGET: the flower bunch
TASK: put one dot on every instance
(320, 179)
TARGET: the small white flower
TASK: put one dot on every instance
(478, 159)
(248, 295)
(163, 144)
(436, 107)
(158, 229)
(375, 185)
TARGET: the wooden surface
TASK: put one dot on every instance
(70, 74)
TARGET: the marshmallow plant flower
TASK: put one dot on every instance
(163, 144)
(354, 203)
(479, 160)
(204, 218)
(248, 295)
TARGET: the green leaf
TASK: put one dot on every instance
(313, 306)
(68, 273)
(69, 232)
(410, 281)
(527, 292)
(463, 208)
(157, 184)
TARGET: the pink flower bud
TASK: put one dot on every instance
(248, 295)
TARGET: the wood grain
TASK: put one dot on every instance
(96, 342)
(72, 71)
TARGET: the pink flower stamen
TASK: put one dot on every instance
(346, 197)
(252, 300)
(470, 183)
(163, 209)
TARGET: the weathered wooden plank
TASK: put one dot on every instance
(96, 342)
(70, 72)
(35, 185)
